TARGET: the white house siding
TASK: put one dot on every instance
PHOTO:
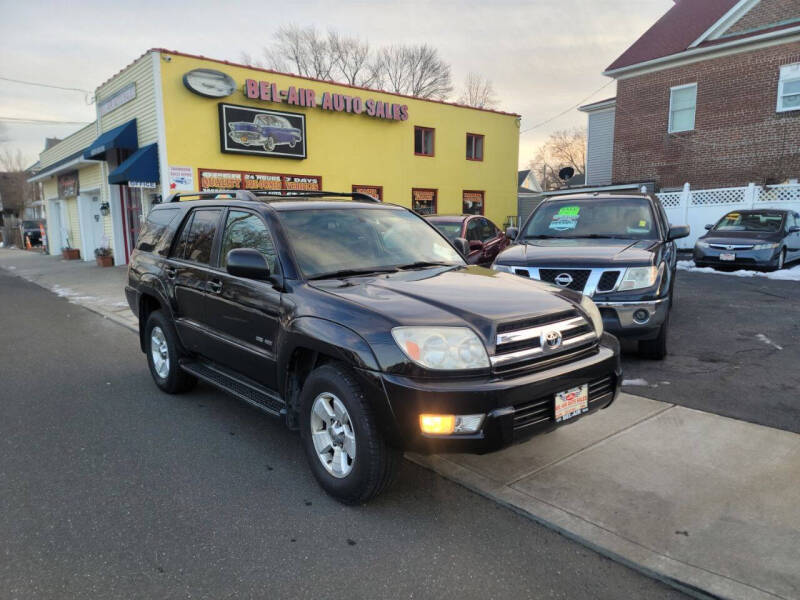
(142, 107)
(600, 147)
(69, 145)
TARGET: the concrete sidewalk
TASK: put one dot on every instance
(99, 289)
(706, 503)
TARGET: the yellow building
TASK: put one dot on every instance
(175, 122)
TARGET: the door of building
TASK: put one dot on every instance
(132, 217)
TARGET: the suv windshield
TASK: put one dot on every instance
(751, 221)
(629, 218)
(330, 241)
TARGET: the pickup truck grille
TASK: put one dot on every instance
(541, 410)
(521, 341)
(579, 277)
(608, 280)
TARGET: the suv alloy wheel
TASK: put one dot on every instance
(347, 454)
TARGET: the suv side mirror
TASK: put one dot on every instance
(475, 245)
(794, 229)
(677, 232)
(462, 246)
(512, 233)
(248, 263)
(709, 227)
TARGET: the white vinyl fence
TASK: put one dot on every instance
(696, 208)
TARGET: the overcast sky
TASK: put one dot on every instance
(542, 56)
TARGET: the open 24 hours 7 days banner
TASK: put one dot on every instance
(212, 180)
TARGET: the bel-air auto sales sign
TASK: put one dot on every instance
(269, 92)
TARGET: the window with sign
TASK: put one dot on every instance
(423, 141)
(376, 191)
(423, 201)
(474, 146)
(472, 202)
(246, 230)
(789, 88)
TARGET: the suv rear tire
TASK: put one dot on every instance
(163, 354)
(345, 450)
(656, 349)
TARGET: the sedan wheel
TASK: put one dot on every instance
(333, 435)
(269, 145)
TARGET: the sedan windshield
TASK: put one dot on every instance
(770, 222)
(627, 218)
(340, 242)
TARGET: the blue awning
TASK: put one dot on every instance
(123, 137)
(139, 170)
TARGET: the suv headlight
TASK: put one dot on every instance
(765, 246)
(594, 314)
(503, 268)
(442, 348)
(638, 277)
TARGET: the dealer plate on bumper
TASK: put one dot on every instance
(572, 403)
(727, 256)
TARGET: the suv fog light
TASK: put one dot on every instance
(641, 316)
(447, 424)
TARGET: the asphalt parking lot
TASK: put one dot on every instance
(734, 350)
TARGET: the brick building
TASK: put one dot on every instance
(709, 95)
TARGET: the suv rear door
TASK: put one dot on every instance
(243, 314)
(186, 274)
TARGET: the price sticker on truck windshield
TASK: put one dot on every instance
(566, 219)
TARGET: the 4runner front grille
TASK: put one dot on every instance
(522, 341)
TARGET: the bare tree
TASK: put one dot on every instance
(414, 70)
(353, 60)
(564, 148)
(12, 161)
(478, 92)
(302, 51)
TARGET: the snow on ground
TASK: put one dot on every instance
(762, 338)
(635, 382)
(787, 274)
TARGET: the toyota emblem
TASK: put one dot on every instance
(563, 279)
(550, 340)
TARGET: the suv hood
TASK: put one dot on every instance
(471, 296)
(580, 253)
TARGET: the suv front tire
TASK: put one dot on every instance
(345, 450)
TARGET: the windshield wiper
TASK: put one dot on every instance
(422, 264)
(543, 237)
(343, 273)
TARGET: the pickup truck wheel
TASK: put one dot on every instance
(656, 349)
(347, 454)
(163, 354)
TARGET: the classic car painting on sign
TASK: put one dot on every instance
(264, 132)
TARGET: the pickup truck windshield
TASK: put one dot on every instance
(627, 218)
(363, 240)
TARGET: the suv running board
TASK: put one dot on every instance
(236, 385)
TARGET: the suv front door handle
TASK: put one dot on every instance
(215, 285)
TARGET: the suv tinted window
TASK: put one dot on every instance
(157, 224)
(198, 236)
(247, 230)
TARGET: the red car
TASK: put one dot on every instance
(485, 239)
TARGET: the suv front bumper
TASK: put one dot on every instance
(515, 409)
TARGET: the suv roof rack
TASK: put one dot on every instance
(265, 196)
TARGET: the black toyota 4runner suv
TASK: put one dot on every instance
(363, 327)
(617, 249)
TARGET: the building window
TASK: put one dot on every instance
(376, 191)
(423, 141)
(474, 146)
(682, 107)
(789, 88)
(472, 202)
(423, 201)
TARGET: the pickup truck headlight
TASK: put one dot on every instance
(638, 277)
(442, 348)
(590, 308)
(503, 268)
(765, 246)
